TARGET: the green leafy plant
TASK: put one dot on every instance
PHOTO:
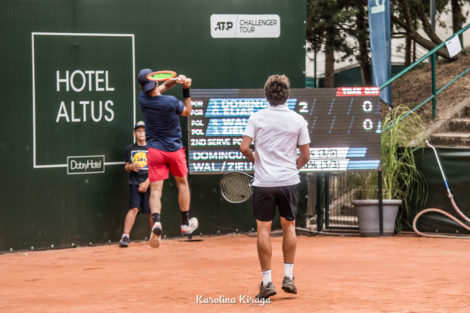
(401, 179)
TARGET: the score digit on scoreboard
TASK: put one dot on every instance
(344, 127)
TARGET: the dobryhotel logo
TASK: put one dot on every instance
(245, 26)
(85, 164)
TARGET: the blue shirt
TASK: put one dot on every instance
(162, 122)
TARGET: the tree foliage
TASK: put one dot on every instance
(331, 22)
(410, 16)
(327, 17)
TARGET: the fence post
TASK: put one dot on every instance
(327, 200)
(433, 84)
(381, 207)
(315, 69)
(319, 185)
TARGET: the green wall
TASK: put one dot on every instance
(103, 44)
(456, 166)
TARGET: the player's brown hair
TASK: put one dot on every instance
(277, 89)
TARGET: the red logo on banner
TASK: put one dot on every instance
(357, 91)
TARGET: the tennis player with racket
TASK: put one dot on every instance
(277, 132)
(166, 153)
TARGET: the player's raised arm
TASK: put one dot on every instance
(186, 82)
(171, 83)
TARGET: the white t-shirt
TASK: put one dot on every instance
(277, 131)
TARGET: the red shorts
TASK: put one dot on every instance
(161, 162)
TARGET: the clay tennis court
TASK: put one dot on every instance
(333, 274)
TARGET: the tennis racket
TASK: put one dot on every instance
(235, 187)
(161, 75)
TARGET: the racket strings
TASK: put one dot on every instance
(161, 75)
(236, 188)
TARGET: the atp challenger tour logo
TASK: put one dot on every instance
(83, 95)
(245, 26)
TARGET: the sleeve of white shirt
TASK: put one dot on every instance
(250, 127)
(304, 138)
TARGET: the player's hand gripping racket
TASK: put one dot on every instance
(161, 76)
(235, 187)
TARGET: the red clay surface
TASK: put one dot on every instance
(333, 274)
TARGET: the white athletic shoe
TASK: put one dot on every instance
(187, 230)
(156, 235)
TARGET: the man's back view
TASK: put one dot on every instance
(277, 133)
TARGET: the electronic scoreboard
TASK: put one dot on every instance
(344, 127)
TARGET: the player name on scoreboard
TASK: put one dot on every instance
(344, 128)
(321, 160)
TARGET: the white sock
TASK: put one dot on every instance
(266, 277)
(288, 270)
(125, 235)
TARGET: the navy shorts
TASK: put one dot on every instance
(265, 200)
(139, 200)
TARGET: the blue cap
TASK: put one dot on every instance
(146, 84)
(139, 124)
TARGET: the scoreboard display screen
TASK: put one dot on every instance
(344, 128)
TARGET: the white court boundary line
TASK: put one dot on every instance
(35, 165)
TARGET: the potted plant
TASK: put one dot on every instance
(400, 177)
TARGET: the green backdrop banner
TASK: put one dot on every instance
(69, 104)
(456, 165)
